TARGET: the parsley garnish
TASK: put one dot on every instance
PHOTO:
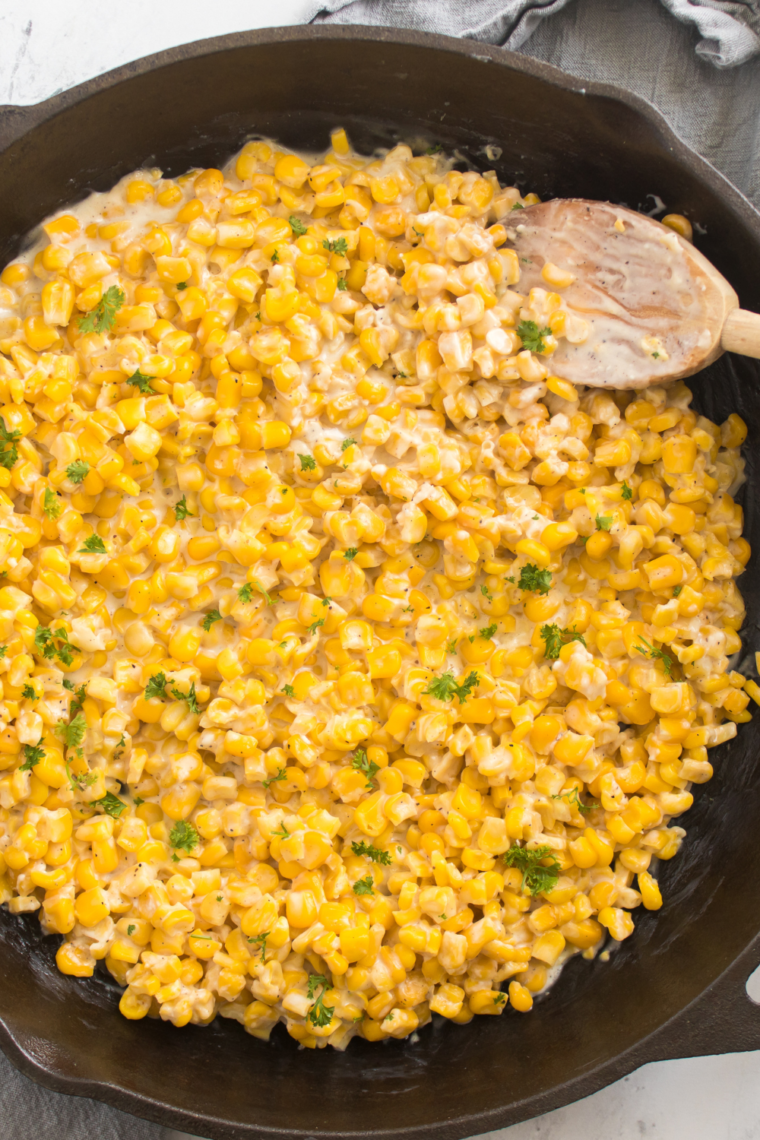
(50, 504)
(182, 285)
(488, 631)
(435, 149)
(485, 593)
(260, 941)
(93, 545)
(603, 522)
(3, 650)
(500, 997)
(184, 836)
(677, 591)
(288, 690)
(340, 245)
(245, 593)
(537, 878)
(308, 462)
(8, 449)
(296, 225)
(535, 580)
(574, 801)
(156, 687)
(181, 511)
(282, 832)
(315, 626)
(189, 696)
(81, 781)
(445, 687)
(372, 852)
(532, 336)
(364, 886)
(275, 258)
(102, 317)
(452, 646)
(32, 754)
(77, 470)
(29, 693)
(554, 638)
(518, 206)
(347, 443)
(342, 285)
(281, 775)
(142, 382)
(269, 601)
(319, 1014)
(130, 930)
(111, 805)
(626, 493)
(360, 763)
(45, 643)
(73, 733)
(654, 653)
(210, 618)
(351, 553)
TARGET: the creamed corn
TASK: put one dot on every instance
(354, 665)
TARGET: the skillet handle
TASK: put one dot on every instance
(723, 1019)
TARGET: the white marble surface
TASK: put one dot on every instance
(49, 45)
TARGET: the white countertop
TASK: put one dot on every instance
(49, 45)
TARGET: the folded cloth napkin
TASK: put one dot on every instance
(730, 28)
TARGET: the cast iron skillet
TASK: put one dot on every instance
(674, 989)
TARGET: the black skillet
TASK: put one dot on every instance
(674, 989)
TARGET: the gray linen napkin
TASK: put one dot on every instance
(730, 28)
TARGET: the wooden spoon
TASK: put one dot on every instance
(656, 307)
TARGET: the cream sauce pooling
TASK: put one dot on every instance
(655, 312)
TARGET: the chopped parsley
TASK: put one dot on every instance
(319, 1014)
(210, 618)
(308, 462)
(435, 149)
(351, 553)
(485, 593)
(281, 775)
(245, 593)
(189, 696)
(339, 245)
(452, 646)
(181, 511)
(182, 285)
(102, 317)
(77, 470)
(45, 641)
(260, 942)
(360, 763)
(554, 638)
(535, 580)
(3, 650)
(654, 653)
(315, 626)
(532, 336)
(93, 545)
(73, 733)
(364, 886)
(347, 443)
(81, 781)
(156, 687)
(518, 206)
(537, 878)
(8, 449)
(29, 693)
(626, 493)
(183, 836)
(269, 601)
(296, 225)
(32, 755)
(142, 382)
(573, 799)
(488, 631)
(372, 852)
(445, 687)
(288, 690)
(131, 929)
(603, 522)
(342, 285)
(111, 805)
(275, 258)
(677, 591)
(50, 504)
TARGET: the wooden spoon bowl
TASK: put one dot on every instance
(657, 309)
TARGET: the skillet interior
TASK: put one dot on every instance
(194, 106)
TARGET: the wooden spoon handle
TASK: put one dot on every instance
(741, 333)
